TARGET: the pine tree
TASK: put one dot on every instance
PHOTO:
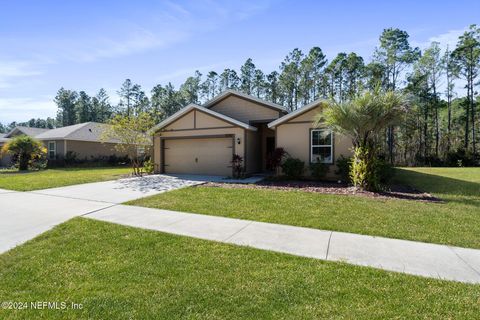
(247, 74)
(66, 100)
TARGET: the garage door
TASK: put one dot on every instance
(209, 156)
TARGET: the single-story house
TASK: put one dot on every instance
(202, 139)
(5, 159)
(84, 139)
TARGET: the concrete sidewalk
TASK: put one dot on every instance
(417, 258)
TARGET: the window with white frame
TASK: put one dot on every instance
(321, 146)
(52, 149)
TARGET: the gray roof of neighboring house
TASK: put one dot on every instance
(88, 131)
(27, 130)
(2, 138)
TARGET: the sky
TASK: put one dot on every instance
(88, 45)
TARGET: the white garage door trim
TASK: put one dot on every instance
(164, 149)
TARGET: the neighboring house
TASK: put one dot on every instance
(5, 159)
(202, 139)
(83, 139)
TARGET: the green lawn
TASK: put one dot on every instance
(51, 178)
(454, 184)
(117, 272)
(455, 221)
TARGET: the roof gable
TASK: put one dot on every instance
(296, 113)
(191, 107)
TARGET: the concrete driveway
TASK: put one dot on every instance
(24, 215)
(119, 191)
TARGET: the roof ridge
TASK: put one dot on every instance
(245, 96)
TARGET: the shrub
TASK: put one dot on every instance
(459, 158)
(93, 161)
(361, 170)
(318, 170)
(237, 165)
(384, 173)
(148, 166)
(343, 168)
(429, 161)
(293, 168)
(275, 159)
(369, 173)
(39, 161)
(71, 157)
(115, 160)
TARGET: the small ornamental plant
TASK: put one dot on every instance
(237, 166)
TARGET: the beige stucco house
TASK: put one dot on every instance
(84, 139)
(202, 139)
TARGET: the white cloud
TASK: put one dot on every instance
(134, 41)
(23, 109)
(15, 69)
(449, 38)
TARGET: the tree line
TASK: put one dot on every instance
(439, 122)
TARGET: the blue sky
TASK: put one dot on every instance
(86, 45)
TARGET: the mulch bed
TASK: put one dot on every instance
(395, 192)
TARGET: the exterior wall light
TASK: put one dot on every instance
(238, 140)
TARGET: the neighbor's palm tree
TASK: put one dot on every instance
(364, 118)
(26, 149)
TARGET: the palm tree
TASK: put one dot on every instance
(363, 119)
(26, 149)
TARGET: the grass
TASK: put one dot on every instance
(52, 178)
(454, 222)
(118, 272)
(453, 184)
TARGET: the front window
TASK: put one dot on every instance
(52, 149)
(321, 146)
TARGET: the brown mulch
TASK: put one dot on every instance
(395, 192)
